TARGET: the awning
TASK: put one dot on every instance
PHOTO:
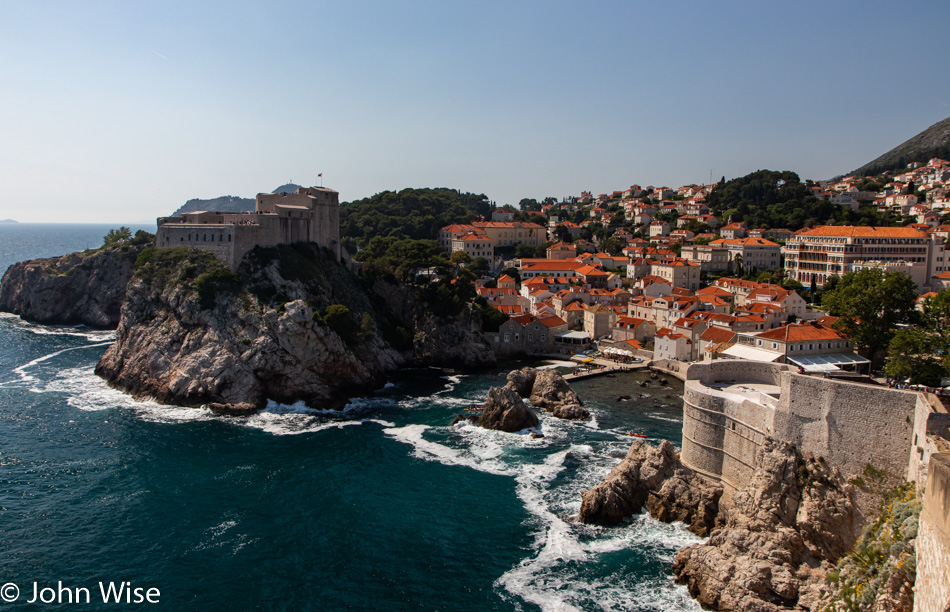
(833, 361)
(750, 353)
(572, 335)
(615, 351)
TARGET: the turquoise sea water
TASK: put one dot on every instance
(381, 506)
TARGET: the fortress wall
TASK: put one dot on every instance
(216, 238)
(851, 425)
(721, 433)
(930, 417)
(737, 370)
(932, 587)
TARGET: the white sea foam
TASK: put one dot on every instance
(290, 423)
(93, 335)
(484, 461)
(21, 371)
(88, 392)
(663, 418)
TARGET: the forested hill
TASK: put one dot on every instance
(410, 213)
(771, 199)
(228, 203)
(932, 142)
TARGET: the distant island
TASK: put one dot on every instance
(228, 203)
(8, 221)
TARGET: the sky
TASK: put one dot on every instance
(121, 111)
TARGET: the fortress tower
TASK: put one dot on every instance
(311, 214)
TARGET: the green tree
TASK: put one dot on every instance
(871, 305)
(922, 352)
(460, 257)
(523, 251)
(116, 237)
(337, 317)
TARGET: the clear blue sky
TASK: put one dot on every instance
(120, 111)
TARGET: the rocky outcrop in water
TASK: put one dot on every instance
(292, 325)
(781, 535)
(652, 477)
(771, 544)
(549, 390)
(85, 288)
(523, 380)
(504, 410)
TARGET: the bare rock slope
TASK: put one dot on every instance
(770, 545)
(292, 325)
(80, 288)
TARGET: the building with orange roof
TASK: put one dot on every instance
(718, 292)
(598, 320)
(557, 268)
(668, 344)
(816, 254)
(679, 273)
(504, 234)
(731, 231)
(714, 339)
(756, 253)
(450, 232)
(631, 328)
(711, 258)
(561, 250)
(713, 303)
(507, 282)
(788, 301)
(811, 346)
(475, 244)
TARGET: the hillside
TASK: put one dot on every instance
(932, 142)
(410, 213)
(228, 203)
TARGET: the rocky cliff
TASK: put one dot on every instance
(80, 288)
(292, 325)
(770, 546)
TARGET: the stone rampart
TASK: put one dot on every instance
(932, 588)
(851, 425)
(930, 418)
(722, 433)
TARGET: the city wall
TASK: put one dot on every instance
(932, 588)
(723, 431)
(850, 425)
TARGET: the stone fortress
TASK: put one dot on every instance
(311, 214)
(731, 406)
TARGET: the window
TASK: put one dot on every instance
(507, 338)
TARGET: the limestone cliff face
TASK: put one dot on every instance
(781, 535)
(653, 477)
(80, 288)
(770, 545)
(292, 325)
(437, 341)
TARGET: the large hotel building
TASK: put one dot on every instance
(825, 251)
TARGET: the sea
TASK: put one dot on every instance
(380, 506)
